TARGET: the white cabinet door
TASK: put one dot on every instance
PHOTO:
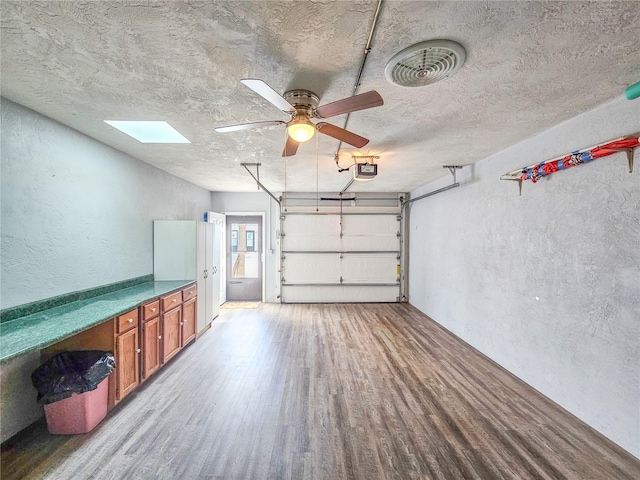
(208, 253)
(217, 268)
(201, 278)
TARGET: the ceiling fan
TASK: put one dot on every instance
(302, 106)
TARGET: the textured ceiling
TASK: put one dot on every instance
(530, 65)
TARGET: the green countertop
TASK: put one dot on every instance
(39, 330)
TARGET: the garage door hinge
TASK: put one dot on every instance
(341, 280)
(283, 280)
(399, 218)
(398, 235)
(282, 233)
(283, 217)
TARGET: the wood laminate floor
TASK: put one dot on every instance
(327, 392)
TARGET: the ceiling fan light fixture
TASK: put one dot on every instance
(301, 129)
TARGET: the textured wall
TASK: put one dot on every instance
(75, 214)
(547, 283)
(258, 202)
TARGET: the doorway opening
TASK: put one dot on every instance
(244, 258)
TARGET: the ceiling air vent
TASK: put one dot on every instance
(425, 63)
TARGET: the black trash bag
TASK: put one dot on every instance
(71, 372)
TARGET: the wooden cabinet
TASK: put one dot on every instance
(150, 310)
(151, 338)
(171, 333)
(189, 321)
(189, 293)
(178, 321)
(127, 353)
(171, 301)
(142, 340)
(127, 321)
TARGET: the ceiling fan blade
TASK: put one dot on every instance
(268, 93)
(248, 126)
(290, 148)
(351, 104)
(341, 134)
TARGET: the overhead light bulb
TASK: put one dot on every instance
(300, 128)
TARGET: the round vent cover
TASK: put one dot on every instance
(425, 63)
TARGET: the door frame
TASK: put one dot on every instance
(262, 242)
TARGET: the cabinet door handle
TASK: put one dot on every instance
(130, 320)
(174, 300)
(181, 323)
(153, 309)
(138, 351)
(159, 337)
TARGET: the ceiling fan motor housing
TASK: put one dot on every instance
(303, 100)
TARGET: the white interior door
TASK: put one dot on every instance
(244, 258)
(217, 268)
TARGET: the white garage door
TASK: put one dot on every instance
(334, 257)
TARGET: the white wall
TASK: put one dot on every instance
(257, 202)
(75, 214)
(547, 283)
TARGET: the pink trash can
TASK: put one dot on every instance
(79, 413)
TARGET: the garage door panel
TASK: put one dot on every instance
(369, 224)
(379, 242)
(317, 259)
(340, 294)
(312, 268)
(312, 232)
(369, 268)
(370, 232)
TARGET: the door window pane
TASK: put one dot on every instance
(250, 247)
(245, 259)
(234, 240)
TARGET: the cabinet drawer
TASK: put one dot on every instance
(189, 292)
(127, 321)
(150, 310)
(171, 301)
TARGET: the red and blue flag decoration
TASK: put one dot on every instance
(539, 170)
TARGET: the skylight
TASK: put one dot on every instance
(149, 131)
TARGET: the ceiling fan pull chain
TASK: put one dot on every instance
(317, 175)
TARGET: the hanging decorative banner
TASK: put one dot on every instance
(536, 171)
